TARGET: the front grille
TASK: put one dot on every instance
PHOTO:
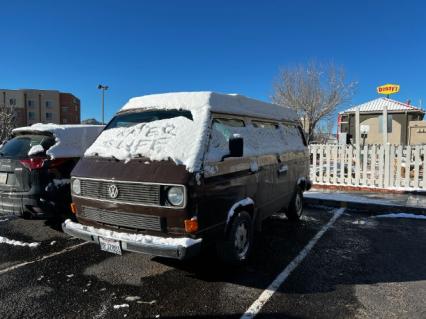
(146, 194)
(129, 220)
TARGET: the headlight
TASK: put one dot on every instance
(76, 186)
(175, 195)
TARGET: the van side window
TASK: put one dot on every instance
(226, 127)
(293, 136)
(229, 122)
(261, 124)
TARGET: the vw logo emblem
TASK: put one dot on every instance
(113, 191)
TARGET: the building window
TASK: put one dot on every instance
(30, 103)
(65, 109)
(12, 102)
(31, 115)
(48, 104)
(49, 116)
(380, 119)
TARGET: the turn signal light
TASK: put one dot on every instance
(191, 225)
(73, 208)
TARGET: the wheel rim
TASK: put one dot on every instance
(242, 241)
(299, 204)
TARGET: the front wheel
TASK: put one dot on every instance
(295, 209)
(237, 245)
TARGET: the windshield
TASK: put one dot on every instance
(19, 146)
(132, 119)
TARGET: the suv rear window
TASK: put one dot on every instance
(131, 119)
(19, 146)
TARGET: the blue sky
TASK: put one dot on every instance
(141, 47)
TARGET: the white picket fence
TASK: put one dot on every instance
(375, 166)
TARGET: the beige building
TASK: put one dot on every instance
(42, 106)
(399, 122)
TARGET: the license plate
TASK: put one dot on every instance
(109, 245)
(3, 178)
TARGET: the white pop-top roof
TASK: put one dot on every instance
(71, 140)
(377, 105)
(214, 102)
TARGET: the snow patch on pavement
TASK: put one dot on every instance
(4, 240)
(401, 215)
(3, 220)
(124, 305)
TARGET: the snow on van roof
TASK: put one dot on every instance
(214, 102)
(71, 140)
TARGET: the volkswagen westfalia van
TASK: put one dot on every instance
(173, 171)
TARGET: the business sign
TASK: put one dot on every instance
(388, 89)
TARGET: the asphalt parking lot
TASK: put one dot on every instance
(361, 267)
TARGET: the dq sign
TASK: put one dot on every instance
(388, 89)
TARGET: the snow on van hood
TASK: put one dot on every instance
(175, 138)
(182, 140)
(71, 140)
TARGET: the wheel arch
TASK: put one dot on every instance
(247, 205)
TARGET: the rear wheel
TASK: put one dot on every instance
(295, 209)
(237, 245)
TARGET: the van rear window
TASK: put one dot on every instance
(132, 119)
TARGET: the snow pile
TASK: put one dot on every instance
(71, 140)
(158, 140)
(184, 141)
(35, 150)
(138, 238)
(401, 215)
(4, 240)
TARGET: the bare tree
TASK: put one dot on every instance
(324, 131)
(314, 91)
(7, 122)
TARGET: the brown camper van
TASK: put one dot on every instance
(173, 171)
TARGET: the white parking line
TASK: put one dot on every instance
(255, 308)
(3, 271)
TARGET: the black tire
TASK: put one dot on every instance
(236, 247)
(295, 209)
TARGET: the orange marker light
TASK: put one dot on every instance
(73, 208)
(191, 225)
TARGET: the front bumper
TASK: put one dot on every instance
(178, 248)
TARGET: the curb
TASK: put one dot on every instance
(370, 208)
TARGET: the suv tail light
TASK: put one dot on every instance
(33, 163)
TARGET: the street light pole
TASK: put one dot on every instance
(103, 88)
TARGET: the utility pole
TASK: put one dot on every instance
(103, 88)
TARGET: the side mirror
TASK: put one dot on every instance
(236, 146)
